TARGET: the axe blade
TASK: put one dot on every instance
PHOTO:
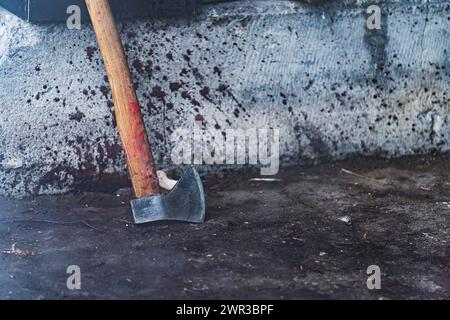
(186, 202)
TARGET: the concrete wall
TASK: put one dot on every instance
(333, 87)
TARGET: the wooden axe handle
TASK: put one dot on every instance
(128, 114)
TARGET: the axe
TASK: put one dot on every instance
(186, 201)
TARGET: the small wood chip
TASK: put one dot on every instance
(18, 252)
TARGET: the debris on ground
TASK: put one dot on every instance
(18, 252)
(313, 236)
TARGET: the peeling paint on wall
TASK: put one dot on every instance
(15, 34)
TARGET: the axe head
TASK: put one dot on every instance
(186, 202)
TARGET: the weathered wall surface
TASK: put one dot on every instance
(333, 87)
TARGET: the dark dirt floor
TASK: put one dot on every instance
(312, 234)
